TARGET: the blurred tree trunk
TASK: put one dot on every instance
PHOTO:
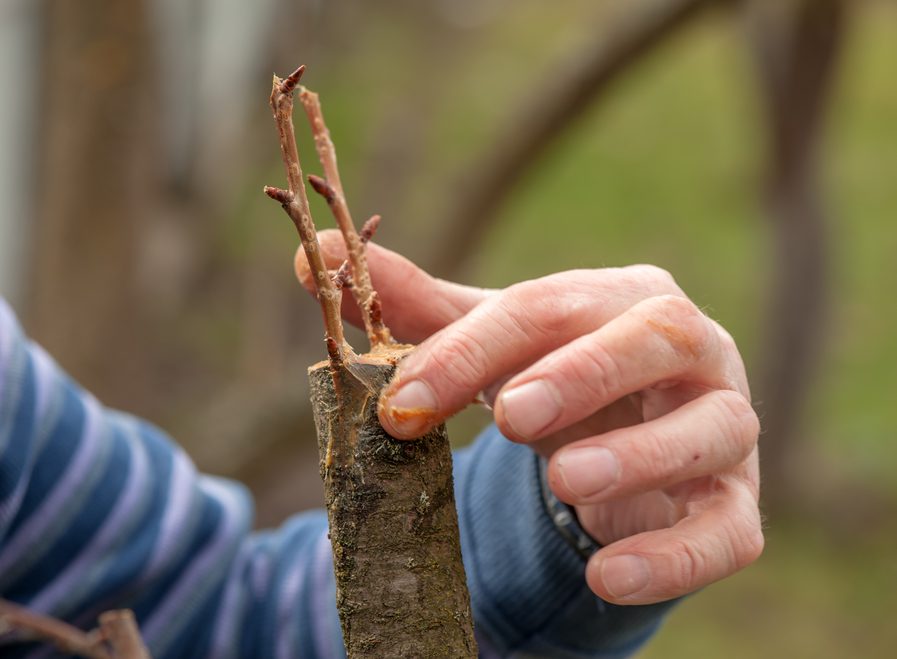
(94, 174)
(796, 44)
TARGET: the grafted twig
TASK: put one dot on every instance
(295, 202)
(331, 188)
(117, 637)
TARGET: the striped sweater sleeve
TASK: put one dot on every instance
(101, 510)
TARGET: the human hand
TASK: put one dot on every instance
(639, 401)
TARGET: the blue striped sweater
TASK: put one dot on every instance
(101, 510)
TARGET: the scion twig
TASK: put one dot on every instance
(295, 202)
(331, 188)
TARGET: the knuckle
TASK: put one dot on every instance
(752, 549)
(737, 419)
(459, 359)
(679, 322)
(598, 373)
(746, 538)
(654, 459)
(689, 566)
(536, 306)
(656, 276)
(726, 340)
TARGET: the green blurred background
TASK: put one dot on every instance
(137, 246)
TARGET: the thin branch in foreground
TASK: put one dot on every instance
(295, 203)
(331, 188)
(118, 631)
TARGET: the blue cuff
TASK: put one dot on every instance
(564, 517)
(525, 562)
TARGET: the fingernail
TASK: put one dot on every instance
(587, 471)
(530, 408)
(625, 575)
(412, 408)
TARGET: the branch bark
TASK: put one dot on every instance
(554, 108)
(401, 587)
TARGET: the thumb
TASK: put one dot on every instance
(415, 304)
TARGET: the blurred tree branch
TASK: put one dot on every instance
(117, 637)
(556, 105)
(796, 45)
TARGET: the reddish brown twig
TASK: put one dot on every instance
(342, 278)
(331, 188)
(370, 228)
(117, 629)
(295, 202)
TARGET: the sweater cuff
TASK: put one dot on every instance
(564, 517)
(525, 556)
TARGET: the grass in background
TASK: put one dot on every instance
(666, 172)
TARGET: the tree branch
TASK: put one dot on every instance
(31, 626)
(332, 190)
(295, 202)
(554, 108)
(797, 47)
(119, 628)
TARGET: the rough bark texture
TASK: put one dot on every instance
(401, 588)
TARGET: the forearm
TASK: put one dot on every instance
(99, 510)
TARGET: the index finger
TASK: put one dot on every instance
(415, 304)
(505, 333)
